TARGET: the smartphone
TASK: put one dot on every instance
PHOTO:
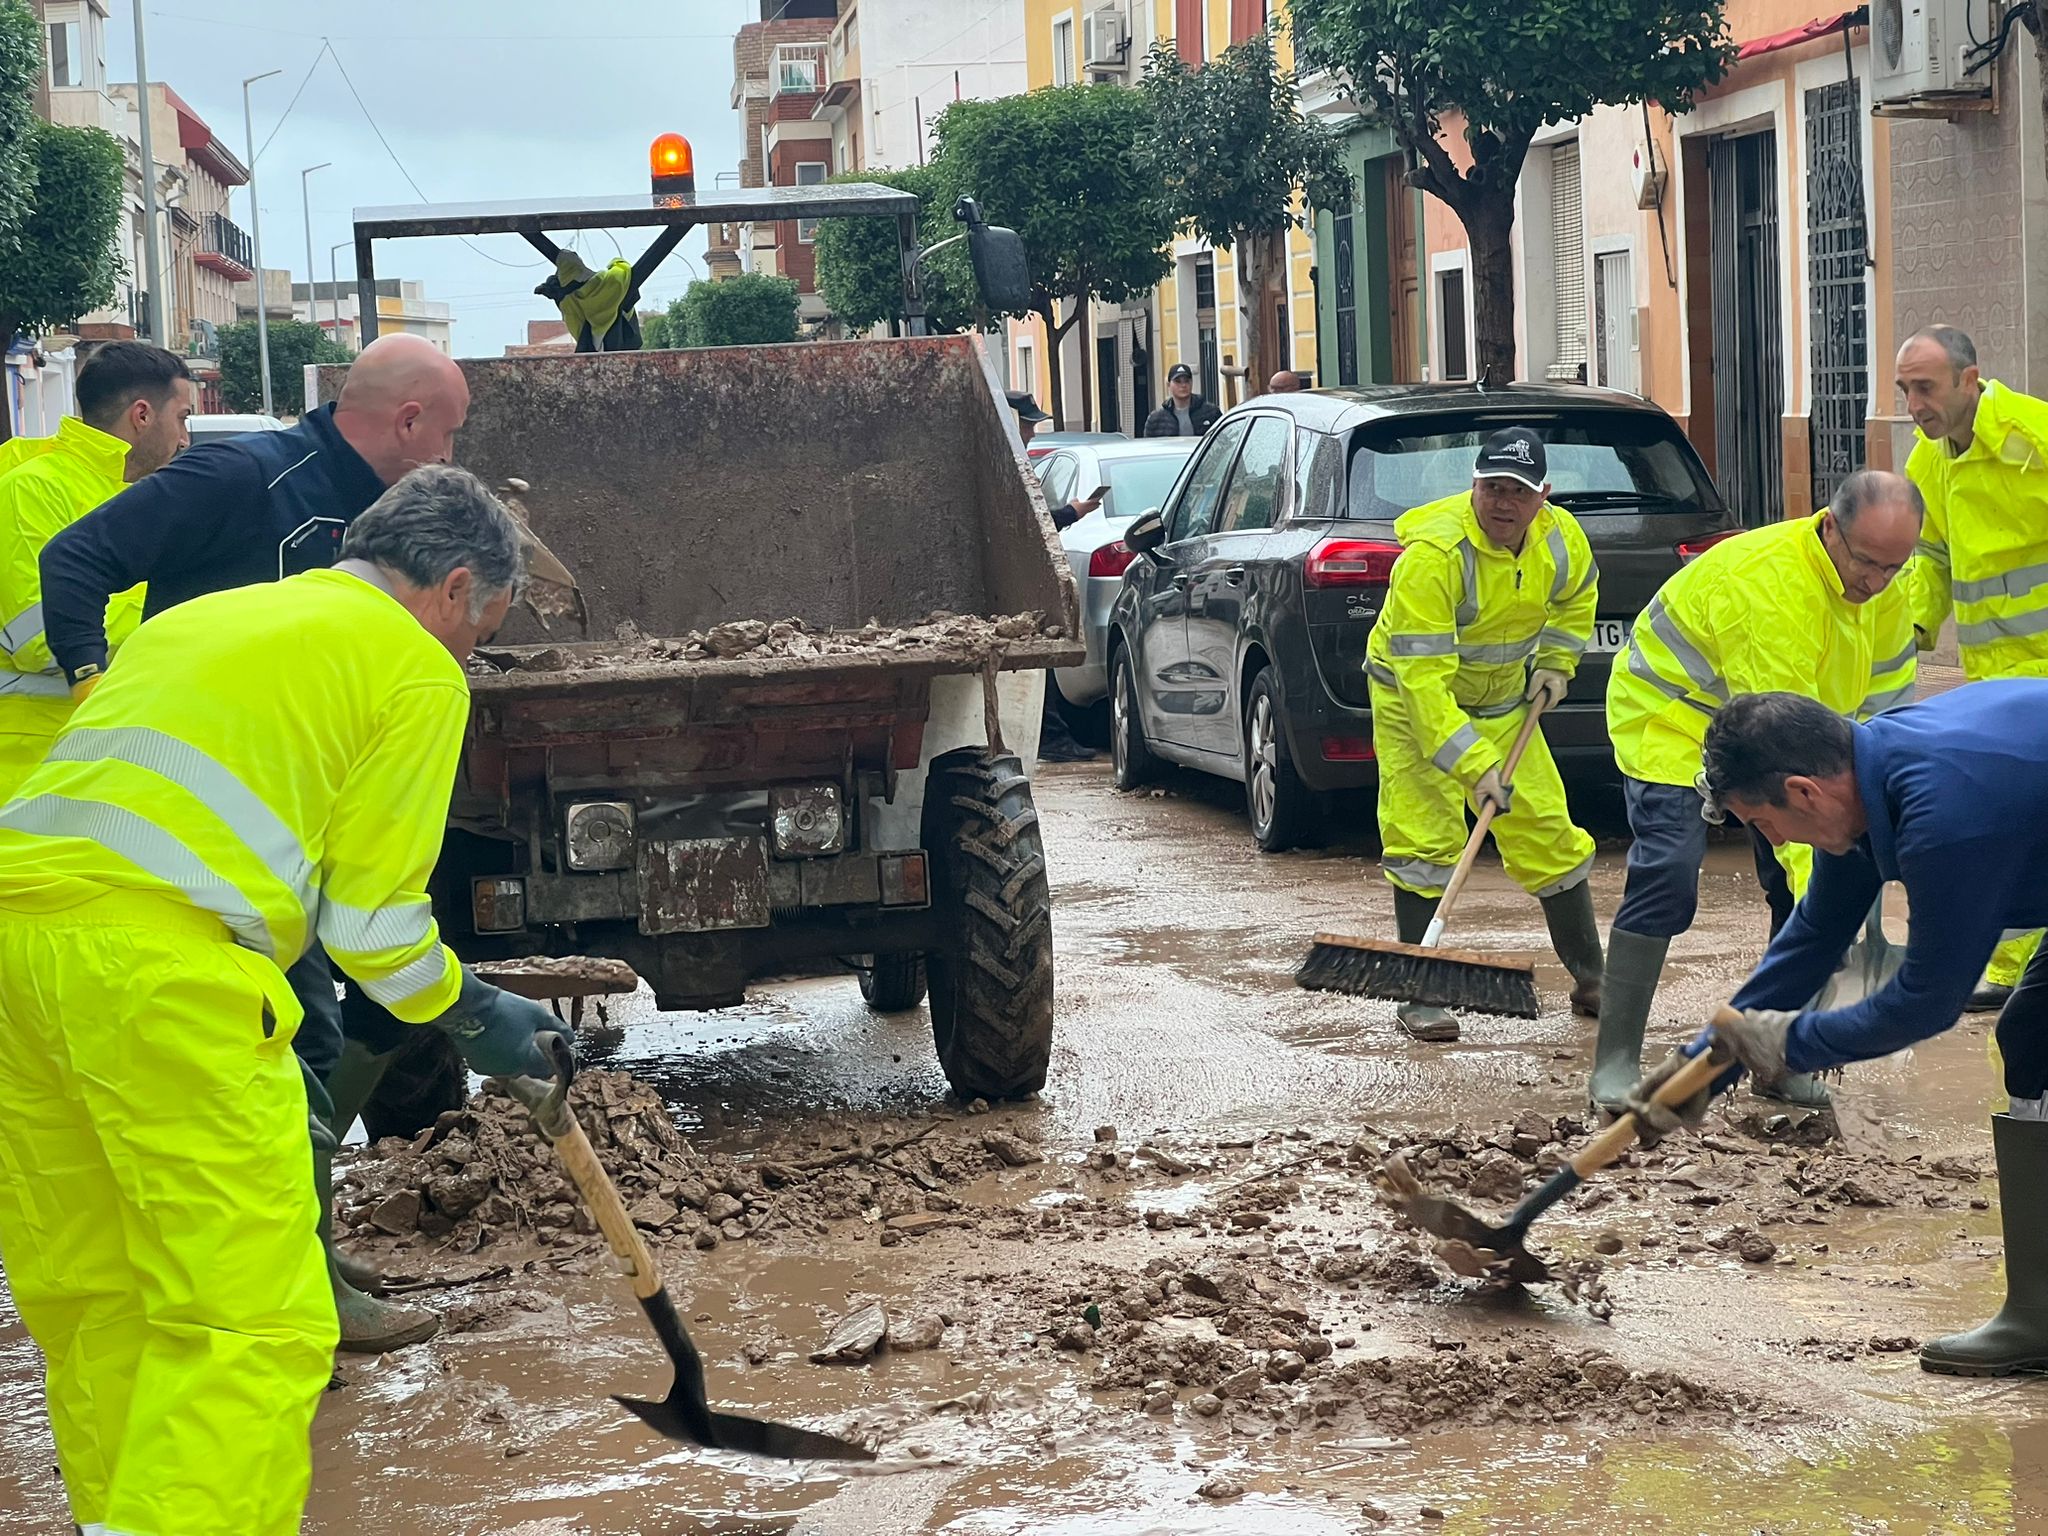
(1098, 493)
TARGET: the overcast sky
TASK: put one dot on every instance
(481, 99)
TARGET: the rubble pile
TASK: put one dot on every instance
(951, 634)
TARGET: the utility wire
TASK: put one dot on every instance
(324, 51)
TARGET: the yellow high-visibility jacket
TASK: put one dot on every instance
(39, 499)
(280, 756)
(1465, 620)
(1984, 550)
(1762, 613)
(17, 451)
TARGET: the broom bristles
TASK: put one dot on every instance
(1408, 973)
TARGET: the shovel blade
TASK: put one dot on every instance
(1467, 1243)
(753, 1437)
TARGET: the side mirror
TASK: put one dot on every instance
(1146, 534)
(1002, 269)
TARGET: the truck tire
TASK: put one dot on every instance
(893, 983)
(425, 1078)
(991, 986)
(1131, 762)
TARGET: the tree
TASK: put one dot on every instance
(663, 330)
(1509, 70)
(748, 310)
(21, 66)
(1237, 158)
(293, 344)
(859, 271)
(1060, 166)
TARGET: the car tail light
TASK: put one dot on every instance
(1691, 549)
(1112, 559)
(1350, 563)
(1034, 454)
(1346, 749)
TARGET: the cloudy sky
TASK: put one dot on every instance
(480, 99)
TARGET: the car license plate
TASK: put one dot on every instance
(1609, 635)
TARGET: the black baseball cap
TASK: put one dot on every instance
(1025, 407)
(1514, 453)
(1179, 371)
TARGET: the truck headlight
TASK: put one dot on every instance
(807, 821)
(598, 835)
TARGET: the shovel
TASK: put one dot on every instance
(683, 1414)
(551, 589)
(1477, 1248)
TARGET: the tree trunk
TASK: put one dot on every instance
(1261, 267)
(1088, 421)
(1055, 386)
(1489, 218)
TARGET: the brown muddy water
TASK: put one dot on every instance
(1727, 1394)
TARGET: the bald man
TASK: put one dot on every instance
(1286, 381)
(257, 508)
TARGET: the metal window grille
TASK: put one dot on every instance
(1837, 298)
(1568, 252)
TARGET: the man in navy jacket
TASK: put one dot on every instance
(1945, 797)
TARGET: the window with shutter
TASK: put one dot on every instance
(1568, 252)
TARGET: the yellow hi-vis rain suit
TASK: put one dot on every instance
(1448, 662)
(17, 451)
(1762, 613)
(1984, 557)
(260, 767)
(40, 498)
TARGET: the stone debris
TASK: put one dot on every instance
(854, 1337)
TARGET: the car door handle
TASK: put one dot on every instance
(1234, 575)
(1182, 581)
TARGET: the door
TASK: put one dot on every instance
(1106, 376)
(1254, 499)
(1403, 294)
(1749, 375)
(1836, 301)
(1169, 693)
(1345, 261)
(1614, 321)
(1057, 479)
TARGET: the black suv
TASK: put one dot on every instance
(1237, 645)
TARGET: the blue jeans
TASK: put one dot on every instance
(1662, 894)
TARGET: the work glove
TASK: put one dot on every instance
(1490, 787)
(1753, 1043)
(84, 686)
(1547, 687)
(494, 1030)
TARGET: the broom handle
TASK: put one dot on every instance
(1434, 935)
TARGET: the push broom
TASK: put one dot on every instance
(1426, 972)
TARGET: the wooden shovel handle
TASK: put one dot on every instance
(1699, 1072)
(1463, 872)
(579, 1158)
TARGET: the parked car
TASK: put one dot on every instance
(208, 429)
(1138, 475)
(1052, 442)
(1237, 643)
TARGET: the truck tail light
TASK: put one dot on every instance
(1350, 563)
(906, 880)
(1113, 559)
(497, 903)
(1691, 549)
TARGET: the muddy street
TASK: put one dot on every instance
(1165, 1298)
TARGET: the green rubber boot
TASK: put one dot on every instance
(1575, 935)
(368, 1326)
(1635, 961)
(1420, 1021)
(2016, 1339)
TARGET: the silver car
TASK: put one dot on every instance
(1138, 475)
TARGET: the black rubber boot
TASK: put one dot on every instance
(1420, 1021)
(1575, 935)
(368, 1326)
(1635, 961)
(2017, 1339)
(1989, 997)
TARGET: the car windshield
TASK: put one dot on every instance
(1600, 461)
(1137, 484)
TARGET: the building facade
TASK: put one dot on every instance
(779, 75)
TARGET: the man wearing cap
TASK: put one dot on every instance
(1489, 609)
(1185, 414)
(1029, 419)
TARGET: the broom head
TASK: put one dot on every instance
(1408, 973)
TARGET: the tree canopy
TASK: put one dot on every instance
(21, 64)
(293, 345)
(747, 310)
(858, 269)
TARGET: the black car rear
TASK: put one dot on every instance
(1243, 633)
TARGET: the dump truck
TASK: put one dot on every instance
(786, 723)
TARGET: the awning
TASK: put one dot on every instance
(1819, 27)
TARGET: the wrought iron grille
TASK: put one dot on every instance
(1838, 321)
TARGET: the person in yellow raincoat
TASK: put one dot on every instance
(263, 766)
(1489, 609)
(1810, 606)
(133, 401)
(1980, 457)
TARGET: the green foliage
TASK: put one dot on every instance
(663, 331)
(750, 309)
(293, 344)
(1230, 144)
(67, 264)
(21, 62)
(858, 271)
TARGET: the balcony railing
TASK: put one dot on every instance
(225, 247)
(800, 69)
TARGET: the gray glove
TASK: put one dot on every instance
(1490, 787)
(1655, 1121)
(494, 1030)
(1758, 1042)
(1547, 687)
(1755, 1043)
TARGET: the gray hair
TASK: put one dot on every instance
(1874, 487)
(437, 520)
(1961, 351)
(1758, 740)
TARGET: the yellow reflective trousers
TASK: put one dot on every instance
(157, 1215)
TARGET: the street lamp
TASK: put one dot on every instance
(152, 259)
(256, 240)
(334, 286)
(312, 275)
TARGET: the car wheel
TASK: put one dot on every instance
(1279, 804)
(1131, 760)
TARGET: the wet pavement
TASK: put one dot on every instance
(1179, 1025)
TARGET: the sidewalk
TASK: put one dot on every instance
(1934, 678)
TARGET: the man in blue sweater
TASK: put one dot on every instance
(1944, 797)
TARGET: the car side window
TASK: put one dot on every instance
(1059, 480)
(1195, 513)
(1258, 486)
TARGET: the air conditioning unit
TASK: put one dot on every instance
(1106, 39)
(1920, 52)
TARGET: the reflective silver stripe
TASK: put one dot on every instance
(1382, 675)
(1468, 605)
(1984, 631)
(1562, 640)
(1938, 553)
(1421, 645)
(1640, 666)
(409, 981)
(1418, 872)
(2013, 583)
(1496, 711)
(1561, 564)
(1564, 882)
(1878, 703)
(22, 628)
(1878, 669)
(357, 931)
(40, 685)
(1592, 575)
(207, 781)
(1696, 666)
(1497, 652)
(149, 848)
(1463, 740)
